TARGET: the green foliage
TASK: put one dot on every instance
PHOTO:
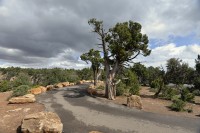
(20, 90)
(197, 66)
(5, 86)
(154, 84)
(132, 82)
(134, 89)
(22, 79)
(94, 57)
(159, 84)
(120, 45)
(197, 82)
(141, 72)
(126, 41)
(177, 105)
(85, 74)
(153, 73)
(186, 95)
(196, 92)
(178, 72)
(120, 89)
(168, 93)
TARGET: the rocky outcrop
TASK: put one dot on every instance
(134, 101)
(29, 98)
(49, 87)
(38, 90)
(59, 85)
(42, 122)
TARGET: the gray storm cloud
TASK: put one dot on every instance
(40, 31)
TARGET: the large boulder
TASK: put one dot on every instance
(43, 89)
(29, 98)
(65, 84)
(95, 132)
(92, 90)
(42, 122)
(80, 82)
(134, 101)
(71, 84)
(49, 87)
(38, 90)
(59, 85)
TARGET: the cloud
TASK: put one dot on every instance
(42, 33)
(160, 55)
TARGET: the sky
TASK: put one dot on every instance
(54, 33)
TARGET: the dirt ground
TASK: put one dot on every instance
(12, 114)
(160, 105)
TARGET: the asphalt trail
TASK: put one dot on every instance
(81, 113)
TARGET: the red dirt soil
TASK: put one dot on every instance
(160, 106)
(12, 114)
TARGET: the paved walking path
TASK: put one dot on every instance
(81, 113)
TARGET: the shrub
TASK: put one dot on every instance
(168, 93)
(186, 95)
(154, 84)
(196, 92)
(120, 89)
(132, 83)
(22, 79)
(134, 89)
(5, 86)
(20, 90)
(177, 105)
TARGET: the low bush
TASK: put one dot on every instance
(154, 84)
(177, 105)
(168, 93)
(134, 89)
(20, 90)
(186, 95)
(120, 89)
(5, 86)
(22, 79)
(196, 92)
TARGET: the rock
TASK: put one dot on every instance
(13, 78)
(91, 90)
(95, 132)
(65, 84)
(80, 82)
(134, 101)
(42, 122)
(71, 84)
(29, 98)
(14, 110)
(26, 109)
(59, 85)
(38, 90)
(43, 89)
(49, 87)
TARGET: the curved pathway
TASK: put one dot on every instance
(81, 113)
